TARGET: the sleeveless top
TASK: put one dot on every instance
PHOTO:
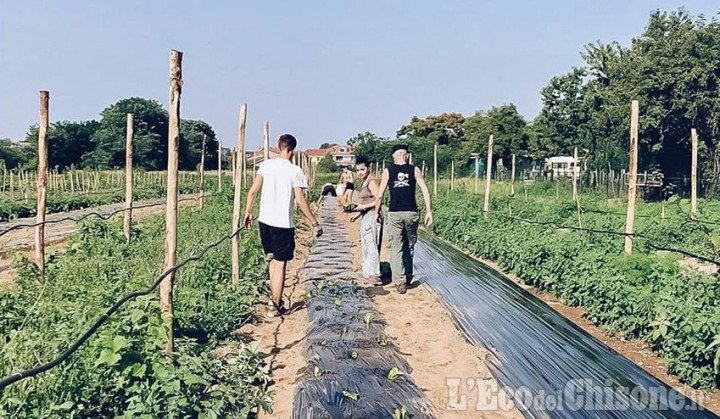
(366, 196)
(402, 184)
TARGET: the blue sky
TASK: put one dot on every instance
(322, 70)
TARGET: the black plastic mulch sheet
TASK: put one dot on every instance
(350, 359)
(548, 366)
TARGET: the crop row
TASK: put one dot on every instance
(121, 371)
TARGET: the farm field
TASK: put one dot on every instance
(661, 294)
(120, 371)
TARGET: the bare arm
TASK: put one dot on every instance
(252, 193)
(381, 190)
(426, 196)
(305, 209)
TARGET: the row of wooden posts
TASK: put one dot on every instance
(632, 176)
(19, 183)
(239, 174)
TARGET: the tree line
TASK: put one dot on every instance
(100, 144)
(672, 69)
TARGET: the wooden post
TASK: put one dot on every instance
(452, 175)
(202, 173)
(237, 200)
(435, 173)
(488, 175)
(127, 215)
(632, 187)
(42, 179)
(166, 286)
(693, 172)
(477, 174)
(219, 167)
(233, 164)
(574, 175)
(512, 176)
(266, 141)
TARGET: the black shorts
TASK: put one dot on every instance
(350, 186)
(280, 242)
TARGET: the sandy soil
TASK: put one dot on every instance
(282, 338)
(426, 336)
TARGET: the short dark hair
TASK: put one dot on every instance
(362, 160)
(287, 141)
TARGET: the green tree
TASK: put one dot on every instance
(444, 129)
(375, 148)
(150, 135)
(507, 126)
(324, 146)
(12, 155)
(68, 143)
(191, 137)
(328, 165)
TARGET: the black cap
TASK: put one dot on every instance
(397, 147)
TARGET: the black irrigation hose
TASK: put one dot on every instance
(100, 320)
(102, 216)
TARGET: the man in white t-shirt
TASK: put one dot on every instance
(281, 183)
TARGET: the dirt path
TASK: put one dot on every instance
(437, 352)
(282, 338)
(423, 333)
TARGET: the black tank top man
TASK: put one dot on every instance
(402, 188)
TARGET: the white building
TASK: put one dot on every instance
(562, 166)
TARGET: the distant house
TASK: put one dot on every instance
(317, 154)
(343, 156)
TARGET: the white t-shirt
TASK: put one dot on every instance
(280, 176)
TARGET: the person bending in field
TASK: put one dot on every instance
(370, 227)
(403, 214)
(281, 183)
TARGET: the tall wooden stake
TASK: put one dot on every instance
(202, 173)
(233, 164)
(477, 174)
(632, 179)
(166, 286)
(574, 175)
(512, 176)
(238, 193)
(219, 167)
(42, 179)
(452, 175)
(435, 173)
(488, 174)
(127, 214)
(693, 173)
(266, 141)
